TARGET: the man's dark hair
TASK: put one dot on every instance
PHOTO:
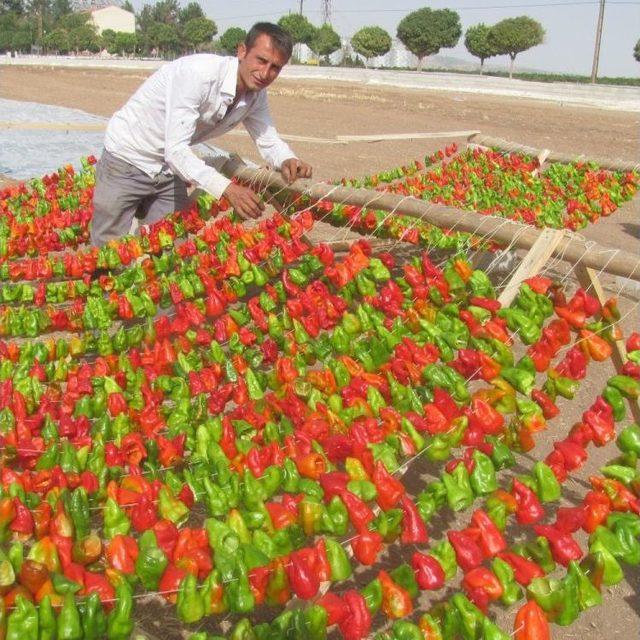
(280, 38)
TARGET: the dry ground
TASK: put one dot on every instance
(324, 110)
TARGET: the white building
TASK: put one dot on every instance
(115, 18)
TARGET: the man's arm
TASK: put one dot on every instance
(183, 98)
(270, 145)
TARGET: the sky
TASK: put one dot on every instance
(570, 26)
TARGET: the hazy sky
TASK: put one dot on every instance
(570, 25)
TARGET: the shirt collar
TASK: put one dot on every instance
(230, 82)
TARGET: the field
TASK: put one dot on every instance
(320, 112)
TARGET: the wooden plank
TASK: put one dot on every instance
(535, 259)
(612, 164)
(572, 248)
(427, 135)
(589, 281)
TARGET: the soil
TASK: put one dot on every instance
(326, 110)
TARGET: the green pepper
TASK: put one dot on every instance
(483, 476)
(615, 399)
(151, 561)
(405, 577)
(94, 620)
(47, 625)
(338, 560)
(459, 493)
(69, 627)
(549, 593)
(629, 439)
(445, 554)
(548, 488)
(403, 630)
(22, 623)
(316, 622)
(120, 621)
(115, 520)
(570, 600)
(511, 591)
(372, 594)
(190, 605)
(588, 594)
(469, 615)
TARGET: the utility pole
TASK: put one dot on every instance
(326, 11)
(596, 53)
(301, 3)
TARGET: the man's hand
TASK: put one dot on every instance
(244, 201)
(293, 168)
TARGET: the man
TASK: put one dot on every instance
(148, 163)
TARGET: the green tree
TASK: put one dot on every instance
(125, 43)
(191, 11)
(298, 27)
(425, 31)
(57, 40)
(73, 20)
(163, 37)
(84, 38)
(371, 42)
(166, 11)
(108, 40)
(22, 40)
(513, 35)
(325, 41)
(145, 18)
(476, 40)
(636, 51)
(60, 8)
(199, 31)
(127, 6)
(231, 38)
(11, 6)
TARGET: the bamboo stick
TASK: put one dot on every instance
(554, 156)
(571, 248)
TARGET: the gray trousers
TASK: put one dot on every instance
(123, 191)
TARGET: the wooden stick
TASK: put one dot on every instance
(571, 247)
(407, 136)
(537, 257)
(588, 279)
(505, 145)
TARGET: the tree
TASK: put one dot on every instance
(513, 35)
(231, 38)
(22, 40)
(125, 42)
(425, 31)
(325, 41)
(166, 11)
(298, 27)
(371, 42)
(636, 51)
(191, 11)
(476, 40)
(60, 8)
(127, 6)
(84, 38)
(198, 31)
(57, 40)
(11, 6)
(163, 37)
(73, 20)
(108, 40)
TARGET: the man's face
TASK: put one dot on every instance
(259, 66)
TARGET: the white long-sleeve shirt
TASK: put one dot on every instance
(183, 103)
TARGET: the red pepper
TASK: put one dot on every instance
(468, 553)
(414, 529)
(573, 454)
(336, 608)
(303, 579)
(322, 566)
(570, 519)
(428, 571)
(333, 483)
(396, 601)
(359, 513)
(390, 489)
(563, 547)
(23, 520)
(524, 570)
(529, 509)
(483, 580)
(357, 624)
(531, 623)
(121, 554)
(597, 510)
(366, 547)
(483, 416)
(170, 581)
(489, 536)
(549, 409)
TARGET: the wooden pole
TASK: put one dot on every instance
(553, 156)
(570, 248)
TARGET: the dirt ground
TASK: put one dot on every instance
(326, 110)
